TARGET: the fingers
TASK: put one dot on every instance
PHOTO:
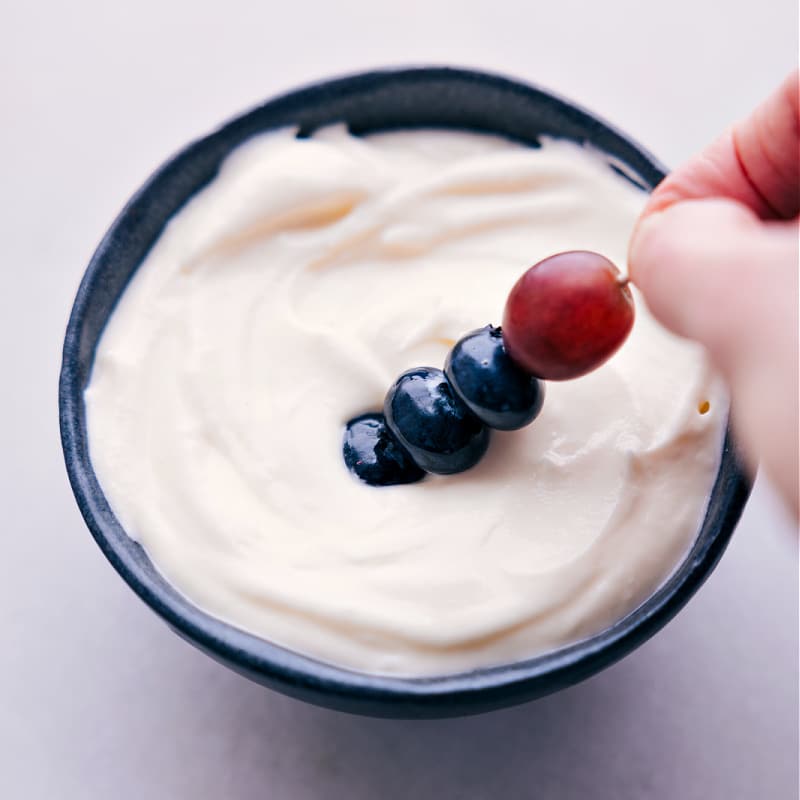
(712, 271)
(756, 163)
(767, 145)
(716, 258)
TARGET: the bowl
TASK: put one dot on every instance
(369, 102)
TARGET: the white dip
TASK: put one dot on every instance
(284, 299)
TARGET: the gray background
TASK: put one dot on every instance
(97, 698)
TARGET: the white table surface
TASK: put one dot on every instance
(97, 698)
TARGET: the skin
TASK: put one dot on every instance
(715, 254)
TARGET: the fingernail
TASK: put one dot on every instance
(635, 247)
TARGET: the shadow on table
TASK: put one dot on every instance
(549, 748)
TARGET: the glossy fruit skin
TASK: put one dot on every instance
(566, 315)
(429, 419)
(490, 383)
(374, 455)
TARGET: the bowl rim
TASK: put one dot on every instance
(306, 677)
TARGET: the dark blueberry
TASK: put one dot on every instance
(494, 388)
(430, 421)
(373, 454)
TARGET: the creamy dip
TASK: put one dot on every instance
(284, 299)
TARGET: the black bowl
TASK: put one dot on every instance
(376, 101)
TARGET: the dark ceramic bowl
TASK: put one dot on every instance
(376, 101)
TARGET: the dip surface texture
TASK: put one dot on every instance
(284, 299)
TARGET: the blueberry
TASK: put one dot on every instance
(494, 388)
(432, 423)
(374, 455)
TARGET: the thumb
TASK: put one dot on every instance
(712, 271)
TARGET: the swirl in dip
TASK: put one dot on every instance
(284, 299)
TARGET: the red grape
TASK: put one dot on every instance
(566, 315)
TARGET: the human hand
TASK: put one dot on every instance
(715, 254)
